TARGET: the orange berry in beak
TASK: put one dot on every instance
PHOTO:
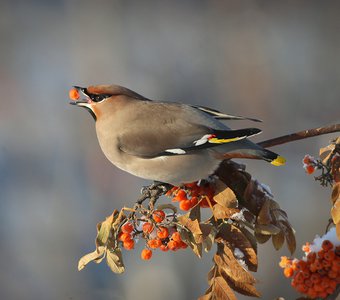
(74, 94)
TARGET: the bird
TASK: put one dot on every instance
(167, 142)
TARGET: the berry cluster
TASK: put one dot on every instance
(318, 273)
(157, 231)
(192, 194)
(309, 164)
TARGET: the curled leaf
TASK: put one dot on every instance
(114, 260)
(96, 256)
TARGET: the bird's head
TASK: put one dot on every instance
(94, 98)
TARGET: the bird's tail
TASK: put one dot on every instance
(272, 157)
(250, 150)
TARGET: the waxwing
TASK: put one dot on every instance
(168, 142)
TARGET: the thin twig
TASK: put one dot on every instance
(300, 135)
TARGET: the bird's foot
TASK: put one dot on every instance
(153, 192)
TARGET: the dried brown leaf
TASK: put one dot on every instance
(222, 290)
(335, 192)
(104, 229)
(234, 238)
(267, 229)
(243, 288)
(195, 213)
(221, 212)
(207, 296)
(325, 153)
(289, 235)
(224, 195)
(279, 213)
(208, 243)
(251, 238)
(191, 225)
(335, 212)
(249, 190)
(264, 216)
(261, 238)
(205, 229)
(118, 219)
(211, 274)
(188, 238)
(97, 256)
(114, 260)
(278, 240)
(337, 228)
(210, 239)
(226, 262)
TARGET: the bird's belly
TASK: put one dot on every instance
(176, 170)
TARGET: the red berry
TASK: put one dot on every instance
(162, 232)
(125, 237)
(127, 227)
(74, 94)
(310, 169)
(147, 227)
(146, 254)
(154, 243)
(128, 244)
(173, 245)
(185, 205)
(158, 216)
(176, 237)
(164, 248)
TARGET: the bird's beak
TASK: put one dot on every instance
(79, 96)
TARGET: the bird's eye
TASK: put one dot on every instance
(98, 98)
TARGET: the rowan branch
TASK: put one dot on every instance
(304, 134)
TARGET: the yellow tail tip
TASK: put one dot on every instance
(279, 161)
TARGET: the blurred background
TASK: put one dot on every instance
(274, 60)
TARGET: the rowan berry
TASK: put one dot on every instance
(127, 227)
(128, 244)
(164, 248)
(185, 205)
(176, 236)
(182, 245)
(311, 257)
(310, 169)
(180, 196)
(158, 216)
(327, 245)
(173, 245)
(162, 232)
(74, 94)
(146, 254)
(147, 227)
(307, 159)
(329, 255)
(154, 243)
(125, 237)
(288, 272)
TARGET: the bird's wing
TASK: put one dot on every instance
(164, 129)
(222, 116)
